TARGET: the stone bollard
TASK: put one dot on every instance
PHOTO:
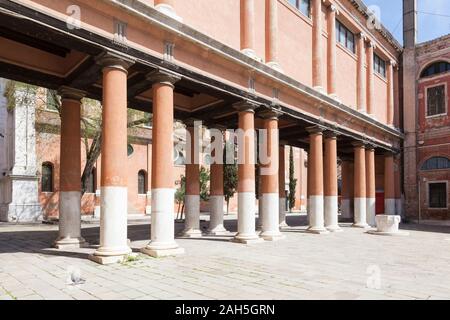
(387, 225)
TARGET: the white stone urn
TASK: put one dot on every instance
(387, 225)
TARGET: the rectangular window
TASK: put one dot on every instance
(379, 65)
(304, 6)
(436, 100)
(437, 195)
(345, 37)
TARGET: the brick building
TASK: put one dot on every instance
(427, 123)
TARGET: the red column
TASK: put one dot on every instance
(163, 193)
(70, 170)
(114, 198)
(315, 181)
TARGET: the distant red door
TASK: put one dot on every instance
(379, 203)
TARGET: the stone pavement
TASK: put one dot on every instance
(347, 265)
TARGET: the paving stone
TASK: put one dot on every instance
(303, 266)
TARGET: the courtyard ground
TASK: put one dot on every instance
(346, 265)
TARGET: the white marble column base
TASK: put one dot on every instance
(371, 211)
(192, 214)
(331, 214)
(389, 206)
(246, 219)
(68, 243)
(216, 227)
(399, 206)
(169, 11)
(282, 213)
(275, 65)
(113, 226)
(69, 220)
(250, 53)
(316, 215)
(155, 253)
(346, 209)
(109, 259)
(270, 207)
(319, 89)
(360, 213)
(162, 242)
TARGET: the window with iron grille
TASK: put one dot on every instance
(47, 177)
(435, 100)
(437, 195)
(142, 182)
(436, 68)
(436, 163)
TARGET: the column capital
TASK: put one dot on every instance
(71, 93)
(370, 147)
(315, 129)
(114, 60)
(371, 43)
(358, 144)
(283, 142)
(163, 76)
(362, 36)
(245, 105)
(329, 134)
(392, 63)
(333, 8)
(271, 113)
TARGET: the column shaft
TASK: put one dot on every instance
(269, 180)
(114, 196)
(246, 174)
(389, 187)
(390, 94)
(70, 171)
(192, 196)
(248, 27)
(370, 186)
(346, 196)
(162, 225)
(361, 74)
(370, 80)
(216, 198)
(332, 51)
(272, 33)
(282, 185)
(317, 63)
(360, 186)
(315, 182)
(148, 207)
(330, 184)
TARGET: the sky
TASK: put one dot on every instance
(433, 17)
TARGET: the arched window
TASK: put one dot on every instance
(142, 182)
(130, 149)
(47, 177)
(436, 163)
(435, 68)
(92, 181)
